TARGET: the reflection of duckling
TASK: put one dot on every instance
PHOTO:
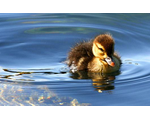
(96, 55)
(100, 81)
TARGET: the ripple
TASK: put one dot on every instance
(133, 72)
(40, 41)
(60, 26)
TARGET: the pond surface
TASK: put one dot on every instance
(33, 48)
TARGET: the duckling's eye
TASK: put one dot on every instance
(101, 49)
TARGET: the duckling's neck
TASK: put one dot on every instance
(95, 65)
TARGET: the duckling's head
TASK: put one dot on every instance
(103, 48)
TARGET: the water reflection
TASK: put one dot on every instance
(99, 81)
(61, 30)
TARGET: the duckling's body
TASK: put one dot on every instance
(95, 55)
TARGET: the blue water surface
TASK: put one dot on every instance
(33, 48)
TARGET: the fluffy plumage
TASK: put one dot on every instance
(81, 54)
(96, 55)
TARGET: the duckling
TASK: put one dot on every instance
(96, 55)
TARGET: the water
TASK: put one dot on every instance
(33, 48)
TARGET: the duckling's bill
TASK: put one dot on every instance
(110, 62)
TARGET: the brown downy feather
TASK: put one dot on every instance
(81, 53)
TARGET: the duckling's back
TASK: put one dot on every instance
(80, 55)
